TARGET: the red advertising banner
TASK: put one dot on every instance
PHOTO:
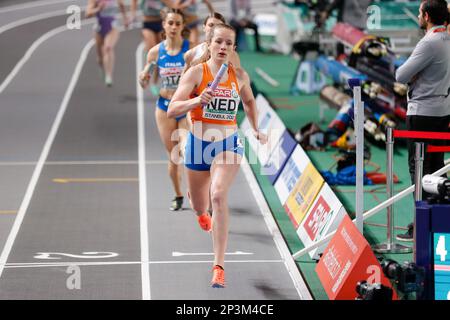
(321, 208)
(323, 217)
(347, 260)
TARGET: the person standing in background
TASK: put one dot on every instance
(241, 18)
(353, 12)
(427, 72)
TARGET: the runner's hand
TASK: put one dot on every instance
(101, 5)
(126, 23)
(144, 79)
(154, 89)
(261, 137)
(206, 96)
(133, 20)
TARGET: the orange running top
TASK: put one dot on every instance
(223, 107)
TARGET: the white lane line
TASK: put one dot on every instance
(236, 253)
(34, 18)
(34, 4)
(23, 163)
(84, 255)
(289, 262)
(65, 163)
(145, 269)
(70, 163)
(118, 263)
(43, 157)
(31, 50)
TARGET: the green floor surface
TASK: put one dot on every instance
(296, 111)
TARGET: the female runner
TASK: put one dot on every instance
(167, 56)
(213, 150)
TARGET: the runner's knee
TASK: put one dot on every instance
(218, 196)
(107, 49)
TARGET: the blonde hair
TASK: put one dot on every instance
(205, 56)
(220, 26)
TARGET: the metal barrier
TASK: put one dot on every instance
(390, 245)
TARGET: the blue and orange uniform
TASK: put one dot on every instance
(221, 110)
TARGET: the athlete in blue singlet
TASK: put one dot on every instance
(170, 68)
(106, 35)
(167, 57)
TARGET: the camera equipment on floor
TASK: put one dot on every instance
(377, 291)
(438, 187)
(408, 277)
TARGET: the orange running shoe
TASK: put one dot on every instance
(204, 220)
(218, 279)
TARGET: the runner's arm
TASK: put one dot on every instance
(182, 5)
(124, 13)
(133, 10)
(249, 103)
(169, 3)
(180, 103)
(92, 8)
(133, 7)
(187, 60)
(420, 58)
(144, 76)
(209, 5)
(235, 60)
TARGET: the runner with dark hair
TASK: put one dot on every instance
(167, 57)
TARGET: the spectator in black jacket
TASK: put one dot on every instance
(241, 18)
(353, 12)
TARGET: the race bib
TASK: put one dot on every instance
(223, 106)
(170, 77)
(171, 81)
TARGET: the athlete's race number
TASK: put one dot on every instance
(171, 81)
